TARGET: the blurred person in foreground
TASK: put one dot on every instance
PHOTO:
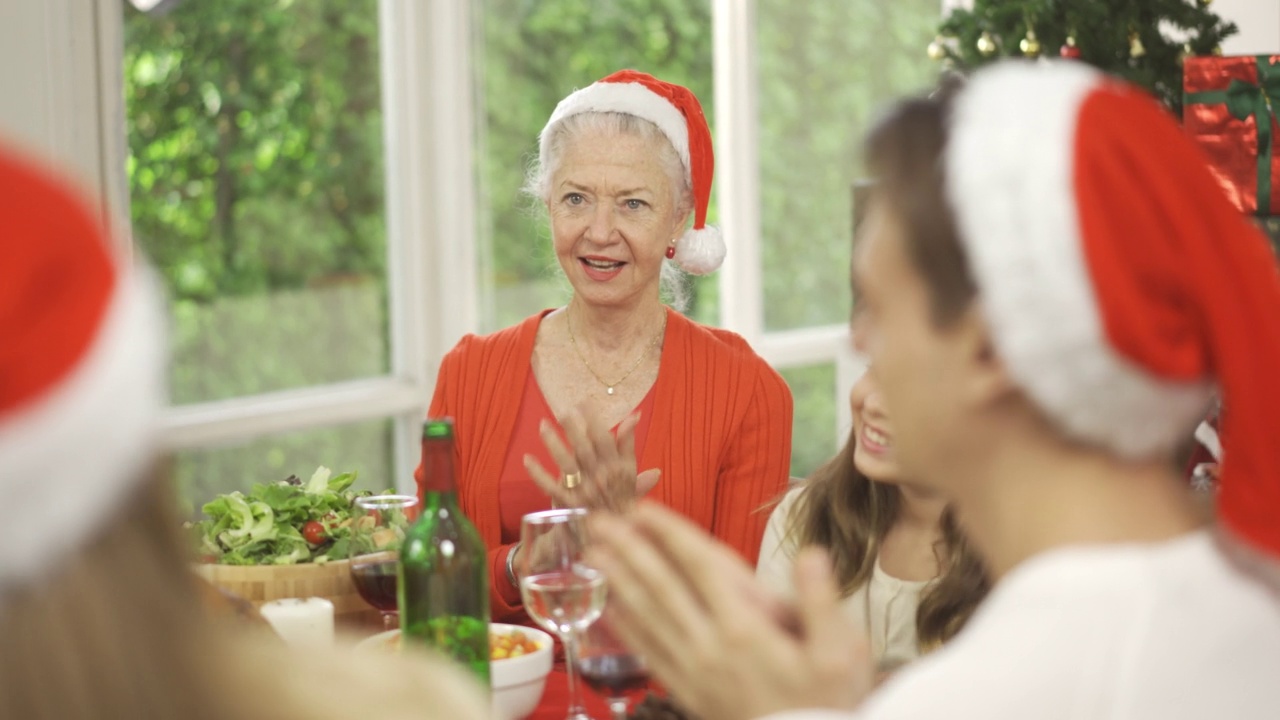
(1051, 286)
(100, 615)
(622, 165)
(908, 578)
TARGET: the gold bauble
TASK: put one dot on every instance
(1030, 46)
(987, 44)
(1136, 48)
(936, 50)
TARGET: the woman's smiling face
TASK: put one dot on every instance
(614, 212)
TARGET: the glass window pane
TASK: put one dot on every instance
(365, 448)
(532, 54)
(813, 434)
(256, 181)
(825, 68)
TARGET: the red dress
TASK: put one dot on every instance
(518, 495)
(719, 431)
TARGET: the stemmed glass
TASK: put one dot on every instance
(378, 526)
(560, 591)
(609, 667)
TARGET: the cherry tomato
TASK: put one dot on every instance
(313, 532)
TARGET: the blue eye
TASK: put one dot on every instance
(574, 199)
(634, 204)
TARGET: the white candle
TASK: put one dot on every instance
(301, 621)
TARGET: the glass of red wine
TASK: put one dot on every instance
(608, 667)
(378, 526)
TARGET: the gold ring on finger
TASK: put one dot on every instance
(572, 480)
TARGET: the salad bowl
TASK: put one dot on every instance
(284, 539)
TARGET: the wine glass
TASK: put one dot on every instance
(378, 526)
(608, 667)
(560, 591)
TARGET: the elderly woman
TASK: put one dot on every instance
(622, 164)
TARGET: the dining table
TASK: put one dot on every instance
(554, 704)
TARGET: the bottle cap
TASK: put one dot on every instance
(438, 429)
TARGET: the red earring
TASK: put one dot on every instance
(671, 251)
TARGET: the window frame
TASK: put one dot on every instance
(425, 57)
(428, 71)
(737, 140)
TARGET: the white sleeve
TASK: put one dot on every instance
(777, 553)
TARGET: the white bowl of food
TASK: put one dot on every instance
(520, 659)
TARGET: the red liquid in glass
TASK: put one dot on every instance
(612, 675)
(376, 583)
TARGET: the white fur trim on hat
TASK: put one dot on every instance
(701, 251)
(70, 457)
(1021, 234)
(630, 98)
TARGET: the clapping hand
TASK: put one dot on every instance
(722, 644)
(599, 467)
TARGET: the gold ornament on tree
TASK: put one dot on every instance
(987, 44)
(936, 50)
(1030, 46)
(1136, 48)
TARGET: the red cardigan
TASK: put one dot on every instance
(720, 431)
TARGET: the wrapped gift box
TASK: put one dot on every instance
(1271, 227)
(1230, 109)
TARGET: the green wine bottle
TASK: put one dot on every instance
(444, 574)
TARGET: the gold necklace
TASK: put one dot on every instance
(609, 386)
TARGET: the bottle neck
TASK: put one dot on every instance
(437, 468)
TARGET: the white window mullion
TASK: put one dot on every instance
(112, 139)
(738, 165)
(225, 422)
(803, 346)
(426, 64)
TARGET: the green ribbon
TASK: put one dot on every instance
(1261, 101)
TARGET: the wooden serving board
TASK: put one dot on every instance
(263, 583)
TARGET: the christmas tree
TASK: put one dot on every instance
(1142, 41)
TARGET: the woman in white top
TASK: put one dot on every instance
(907, 575)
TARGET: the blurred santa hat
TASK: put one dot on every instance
(81, 373)
(1120, 284)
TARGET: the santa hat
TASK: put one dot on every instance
(677, 114)
(81, 374)
(1120, 284)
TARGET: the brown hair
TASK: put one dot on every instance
(905, 153)
(849, 514)
(118, 631)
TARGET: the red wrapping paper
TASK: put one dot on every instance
(1226, 98)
